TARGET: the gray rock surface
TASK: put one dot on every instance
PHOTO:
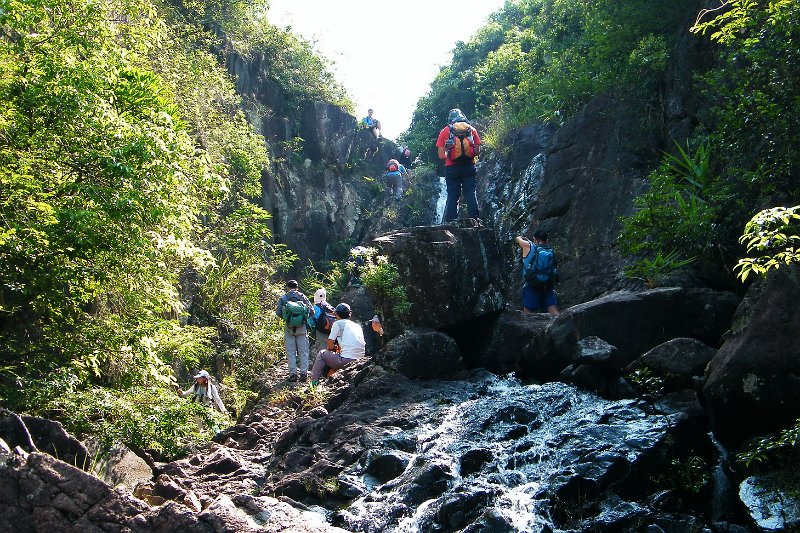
(451, 274)
(754, 376)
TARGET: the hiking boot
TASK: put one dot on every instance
(292, 378)
(303, 378)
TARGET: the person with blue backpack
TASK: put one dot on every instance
(539, 274)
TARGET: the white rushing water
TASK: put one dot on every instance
(441, 201)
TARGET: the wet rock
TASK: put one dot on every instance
(676, 361)
(451, 274)
(516, 343)
(422, 353)
(48, 436)
(387, 465)
(461, 508)
(474, 460)
(427, 481)
(635, 323)
(595, 350)
(772, 500)
(754, 374)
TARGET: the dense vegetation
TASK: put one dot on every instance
(541, 60)
(129, 246)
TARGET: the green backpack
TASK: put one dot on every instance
(295, 314)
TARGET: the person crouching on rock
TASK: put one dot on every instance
(345, 344)
(204, 392)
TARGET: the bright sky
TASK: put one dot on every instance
(386, 53)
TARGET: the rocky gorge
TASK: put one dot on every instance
(621, 414)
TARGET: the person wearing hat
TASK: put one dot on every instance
(204, 391)
(295, 338)
(458, 144)
(345, 344)
(321, 306)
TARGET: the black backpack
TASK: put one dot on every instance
(326, 317)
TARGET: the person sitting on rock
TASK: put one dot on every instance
(204, 392)
(346, 344)
(539, 274)
(372, 124)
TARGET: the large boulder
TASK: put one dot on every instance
(516, 344)
(676, 362)
(754, 376)
(637, 322)
(451, 274)
(48, 436)
(422, 353)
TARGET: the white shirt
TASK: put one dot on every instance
(350, 338)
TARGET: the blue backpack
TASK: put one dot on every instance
(539, 268)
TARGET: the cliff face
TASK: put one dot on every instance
(322, 187)
(575, 181)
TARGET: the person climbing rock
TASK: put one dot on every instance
(372, 124)
(204, 392)
(345, 344)
(393, 177)
(459, 144)
(539, 274)
(294, 308)
(404, 157)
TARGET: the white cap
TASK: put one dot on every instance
(202, 374)
(320, 296)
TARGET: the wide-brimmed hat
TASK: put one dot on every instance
(320, 296)
(202, 374)
(455, 115)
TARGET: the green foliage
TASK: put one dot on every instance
(673, 222)
(542, 59)
(772, 447)
(382, 279)
(774, 234)
(646, 382)
(126, 173)
(653, 270)
(146, 417)
(688, 476)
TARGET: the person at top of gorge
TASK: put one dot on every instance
(346, 344)
(459, 144)
(294, 308)
(539, 274)
(372, 124)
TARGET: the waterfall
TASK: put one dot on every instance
(441, 201)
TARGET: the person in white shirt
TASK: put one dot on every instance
(345, 344)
